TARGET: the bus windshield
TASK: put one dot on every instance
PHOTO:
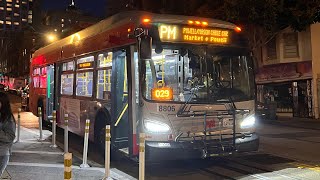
(198, 74)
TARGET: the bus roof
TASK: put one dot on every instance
(134, 17)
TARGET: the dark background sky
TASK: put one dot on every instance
(92, 7)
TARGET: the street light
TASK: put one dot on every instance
(51, 37)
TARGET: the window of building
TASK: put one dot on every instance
(290, 45)
(272, 49)
(67, 84)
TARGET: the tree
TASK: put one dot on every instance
(262, 20)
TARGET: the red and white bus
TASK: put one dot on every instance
(187, 82)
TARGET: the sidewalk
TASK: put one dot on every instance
(35, 160)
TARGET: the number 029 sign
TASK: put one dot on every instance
(162, 94)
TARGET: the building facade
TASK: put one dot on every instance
(15, 17)
(290, 73)
(15, 14)
(315, 47)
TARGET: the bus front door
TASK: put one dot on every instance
(119, 98)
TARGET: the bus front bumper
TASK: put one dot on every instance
(156, 151)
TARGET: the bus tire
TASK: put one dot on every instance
(102, 119)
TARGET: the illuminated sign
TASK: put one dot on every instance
(175, 33)
(85, 65)
(162, 94)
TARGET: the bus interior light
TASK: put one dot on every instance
(237, 29)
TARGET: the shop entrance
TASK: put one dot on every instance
(292, 98)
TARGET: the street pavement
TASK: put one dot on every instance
(294, 138)
(34, 159)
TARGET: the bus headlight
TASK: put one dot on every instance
(248, 122)
(156, 126)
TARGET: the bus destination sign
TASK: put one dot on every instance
(176, 33)
(85, 65)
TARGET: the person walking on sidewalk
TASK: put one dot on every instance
(7, 131)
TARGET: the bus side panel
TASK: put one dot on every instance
(78, 111)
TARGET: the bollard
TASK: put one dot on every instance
(67, 166)
(40, 123)
(19, 121)
(85, 145)
(141, 156)
(66, 141)
(54, 124)
(107, 152)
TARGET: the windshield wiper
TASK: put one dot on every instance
(182, 109)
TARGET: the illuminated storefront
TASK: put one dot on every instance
(289, 85)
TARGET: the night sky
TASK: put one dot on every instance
(92, 7)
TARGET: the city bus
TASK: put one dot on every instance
(186, 82)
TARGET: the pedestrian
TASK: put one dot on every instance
(7, 131)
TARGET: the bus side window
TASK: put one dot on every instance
(84, 84)
(104, 76)
(67, 84)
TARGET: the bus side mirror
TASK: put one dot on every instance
(145, 47)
